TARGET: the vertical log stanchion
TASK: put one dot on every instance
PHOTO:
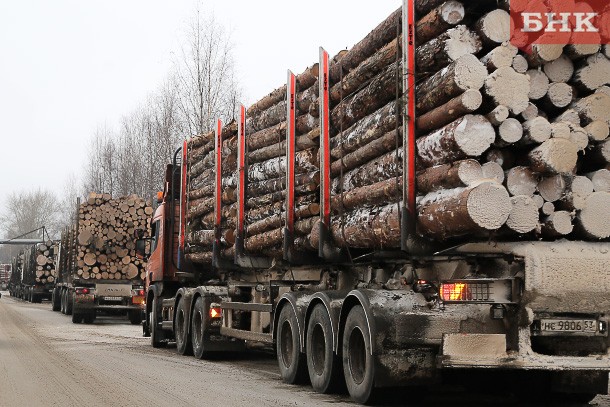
(408, 210)
(290, 166)
(324, 108)
(217, 195)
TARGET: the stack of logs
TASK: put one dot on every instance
(201, 179)
(39, 263)
(510, 144)
(105, 240)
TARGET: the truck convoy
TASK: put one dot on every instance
(421, 204)
(97, 269)
(5, 276)
(34, 272)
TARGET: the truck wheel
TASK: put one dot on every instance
(292, 364)
(181, 329)
(62, 299)
(89, 317)
(55, 300)
(323, 365)
(69, 303)
(156, 335)
(77, 318)
(198, 323)
(135, 317)
(358, 363)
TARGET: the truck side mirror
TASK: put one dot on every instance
(141, 252)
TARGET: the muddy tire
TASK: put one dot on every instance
(181, 330)
(69, 302)
(198, 324)
(292, 363)
(157, 335)
(89, 317)
(77, 318)
(135, 317)
(358, 362)
(323, 365)
(56, 300)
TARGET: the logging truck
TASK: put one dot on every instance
(5, 276)
(33, 272)
(415, 207)
(97, 270)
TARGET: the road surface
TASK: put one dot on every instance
(45, 360)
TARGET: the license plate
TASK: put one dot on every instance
(568, 325)
(113, 298)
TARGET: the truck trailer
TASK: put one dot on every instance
(5, 276)
(98, 272)
(34, 272)
(418, 206)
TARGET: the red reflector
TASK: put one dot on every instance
(215, 313)
(141, 292)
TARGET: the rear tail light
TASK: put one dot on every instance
(138, 293)
(488, 291)
(82, 291)
(215, 312)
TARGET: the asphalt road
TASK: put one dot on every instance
(45, 360)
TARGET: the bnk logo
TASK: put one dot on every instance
(559, 22)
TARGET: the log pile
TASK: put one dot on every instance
(39, 263)
(509, 144)
(105, 237)
(201, 174)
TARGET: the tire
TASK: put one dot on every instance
(358, 363)
(181, 330)
(323, 365)
(62, 300)
(198, 324)
(55, 300)
(135, 317)
(89, 317)
(77, 318)
(292, 363)
(157, 335)
(69, 302)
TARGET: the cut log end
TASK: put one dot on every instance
(594, 219)
(489, 205)
(523, 217)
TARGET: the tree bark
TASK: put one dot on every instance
(446, 48)
(451, 213)
(438, 20)
(449, 176)
(468, 136)
(379, 91)
(388, 142)
(467, 102)
(365, 131)
(465, 73)
(378, 193)
(381, 35)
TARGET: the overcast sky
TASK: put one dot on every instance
(69, 66)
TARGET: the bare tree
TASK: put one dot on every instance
(27, 211)
(206, 76)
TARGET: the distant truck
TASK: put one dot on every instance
(5, 275)
(38, 272)
(97, 269)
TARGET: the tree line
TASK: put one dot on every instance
(131, 159)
